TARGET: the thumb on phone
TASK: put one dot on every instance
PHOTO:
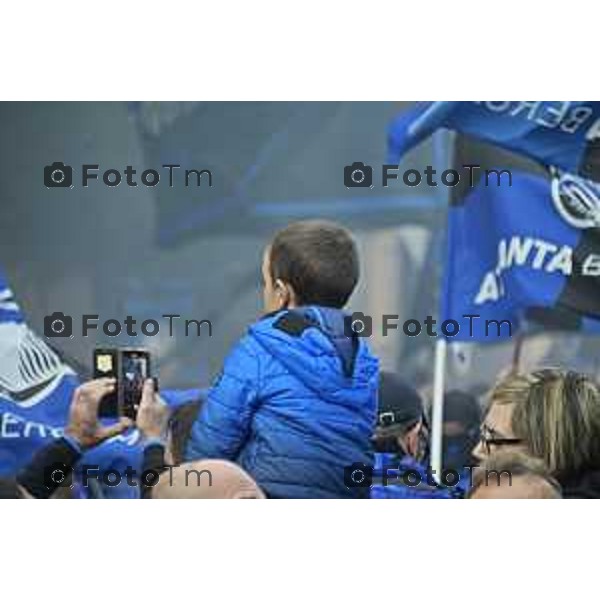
(153, 413)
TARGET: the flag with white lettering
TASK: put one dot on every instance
(565, 134)
(528, 252)
(36, 389)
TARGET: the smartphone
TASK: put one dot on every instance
(130, 367)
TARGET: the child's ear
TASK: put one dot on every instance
(285, 294)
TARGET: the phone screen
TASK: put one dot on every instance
(135, 369)
(130, 368)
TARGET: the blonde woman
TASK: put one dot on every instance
(552, 415)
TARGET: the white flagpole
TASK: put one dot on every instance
(437, 413)
(441, 345)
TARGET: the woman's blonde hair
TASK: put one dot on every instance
(557, 415)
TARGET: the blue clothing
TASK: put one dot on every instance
(404, 478)
(294, 404)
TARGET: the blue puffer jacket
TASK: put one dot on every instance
(294, 404)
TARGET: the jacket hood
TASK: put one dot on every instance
(312, 344)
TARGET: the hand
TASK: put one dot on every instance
(153, 414)
(83, 424)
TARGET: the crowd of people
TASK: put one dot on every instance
(301, 410)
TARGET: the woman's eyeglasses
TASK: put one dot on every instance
(490, 437)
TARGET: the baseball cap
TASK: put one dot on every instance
(399, 402)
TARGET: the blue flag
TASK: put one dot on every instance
(565, 134)
(530, 251)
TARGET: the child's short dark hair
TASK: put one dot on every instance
(318, 259)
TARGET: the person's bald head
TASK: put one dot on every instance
(206, 479)
(511, 475)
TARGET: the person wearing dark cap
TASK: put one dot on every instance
(401, 444)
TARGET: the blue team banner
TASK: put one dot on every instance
(564, 134)
(529, 249)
